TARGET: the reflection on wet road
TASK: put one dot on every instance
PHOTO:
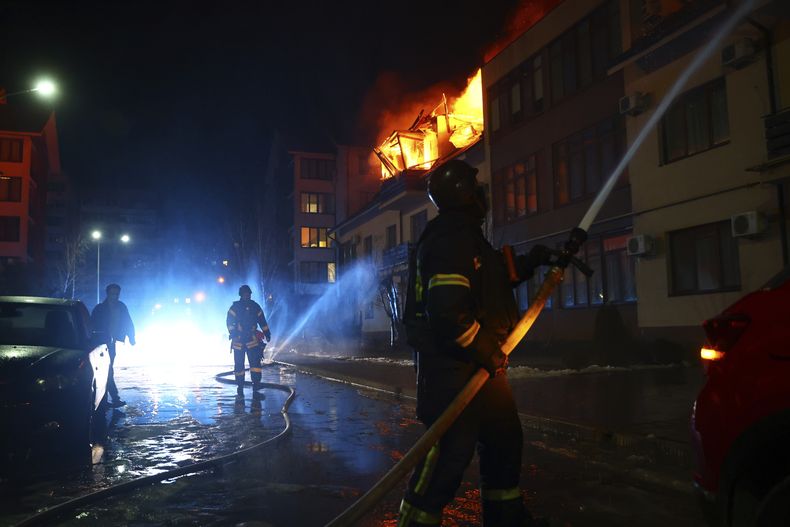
(343, 440)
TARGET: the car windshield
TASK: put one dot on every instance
(29, 324)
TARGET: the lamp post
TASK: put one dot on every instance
(96, 235)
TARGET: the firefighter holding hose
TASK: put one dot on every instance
(460, 306)
(244, 317)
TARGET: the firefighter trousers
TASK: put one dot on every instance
(254, 356)
(489, 424)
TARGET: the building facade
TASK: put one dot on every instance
(709, 184)
(554, 134)
(29, 157)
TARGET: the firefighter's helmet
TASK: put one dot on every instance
(245, 291)
(454, 186)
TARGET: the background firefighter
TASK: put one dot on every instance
(244, 317)
(459, 307)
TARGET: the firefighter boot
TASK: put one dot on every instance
(411, 516)
(509, 513)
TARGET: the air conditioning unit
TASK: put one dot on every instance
(748, 223)
(738, 54)
(640, 245)
(634, 104)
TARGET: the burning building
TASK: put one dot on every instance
(436, 135)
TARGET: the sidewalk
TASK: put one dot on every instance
(642, 408)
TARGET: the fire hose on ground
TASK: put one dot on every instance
(46, 517)
(555, 275)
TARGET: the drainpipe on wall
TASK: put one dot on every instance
(780, 191)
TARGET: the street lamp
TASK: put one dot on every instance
(96, 235)
(44, 87)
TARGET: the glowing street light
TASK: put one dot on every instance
(45, 88)
(96, 235)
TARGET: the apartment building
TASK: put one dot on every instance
(709, 185)
(29, 156)
(553, 135)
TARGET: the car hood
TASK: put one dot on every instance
(15, 359)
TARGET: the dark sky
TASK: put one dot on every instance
(184, 94)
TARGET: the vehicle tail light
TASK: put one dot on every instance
(722, 332)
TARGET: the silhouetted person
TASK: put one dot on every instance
(459, 308)
(111, 318)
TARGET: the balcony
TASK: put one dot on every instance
(404, 190)
(396, 256)
(777, 133)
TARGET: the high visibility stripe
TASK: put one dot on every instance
(256, 370)
(265, 328)
(232, 312)
(409, 515)
(448, 279)
(253, 343)
(427, 470)
(418, 287)
(500, 494)
(469, 335)
(260, 313)
(238, 373)
(236, 345)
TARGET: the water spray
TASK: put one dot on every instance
(553, 278)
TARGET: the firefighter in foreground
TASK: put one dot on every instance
(459, 307)
(244, 317)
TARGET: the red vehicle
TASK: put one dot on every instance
(740, 423)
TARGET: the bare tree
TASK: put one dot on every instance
(67, 270)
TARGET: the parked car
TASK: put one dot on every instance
(741, 419)
(53, 377)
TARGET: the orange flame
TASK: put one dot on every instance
(450, 125)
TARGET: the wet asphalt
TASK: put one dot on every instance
(343, 439)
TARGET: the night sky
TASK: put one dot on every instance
(182, 96)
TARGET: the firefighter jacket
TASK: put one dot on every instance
(244, 317)
(112, 318)
(462, 299)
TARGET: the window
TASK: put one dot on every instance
(10, 188)
(317, 168)
(367, 247)
(9, 228)
(582, 54)
(11, 150)
(613, 278)
(517, 184)
(317, 272)
(391, 237)
(317, 203)
(418, 223)
(315, 237)
(583, 160)
(704, 259)
(696, 122)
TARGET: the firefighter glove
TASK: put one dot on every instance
(537, 256)
(487, 353)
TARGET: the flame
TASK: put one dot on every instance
(450, 125)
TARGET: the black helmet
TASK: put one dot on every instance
(245, 290)
(454, 186)
(112, 287)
